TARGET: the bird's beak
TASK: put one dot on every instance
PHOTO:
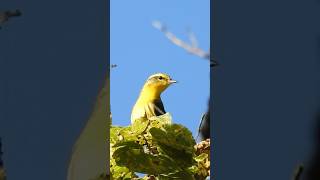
(172, 81)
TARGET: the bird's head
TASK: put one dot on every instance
(157, 83)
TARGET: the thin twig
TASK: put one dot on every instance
(190, 48)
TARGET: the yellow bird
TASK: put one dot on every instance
(149, 103)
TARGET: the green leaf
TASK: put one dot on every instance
(193, 169)
(134, 158)
(131, 144)
(154, 146)
(181, 175)
(162, 119)
(121, 133)
(201, 157)
(114, 133)
(175, 141)
(175, 136)
(120, 172)
(181, 157)
(140, 125)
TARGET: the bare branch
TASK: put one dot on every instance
(193, 39)
(190, 48)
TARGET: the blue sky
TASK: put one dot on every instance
(52, 64)
(140, 50)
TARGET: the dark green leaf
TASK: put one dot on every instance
(180, 175)
(175, 141)
(134, 158)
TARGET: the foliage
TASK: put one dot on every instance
(158, 148)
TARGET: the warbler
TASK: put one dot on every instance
(149, 103)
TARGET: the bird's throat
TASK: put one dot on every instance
(150, 93)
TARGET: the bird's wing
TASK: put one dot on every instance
(138, 112)
(155, 108)
(150, 109)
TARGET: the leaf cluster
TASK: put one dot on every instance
(155, 147)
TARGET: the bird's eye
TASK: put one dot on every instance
(160, 78)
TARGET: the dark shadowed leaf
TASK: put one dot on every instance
(175, 141)
(134, 158)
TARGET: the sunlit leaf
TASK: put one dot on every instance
(180, 175)
(140, 125)
(201, 157)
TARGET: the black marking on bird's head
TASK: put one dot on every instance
(161, 79)
(159, 82)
